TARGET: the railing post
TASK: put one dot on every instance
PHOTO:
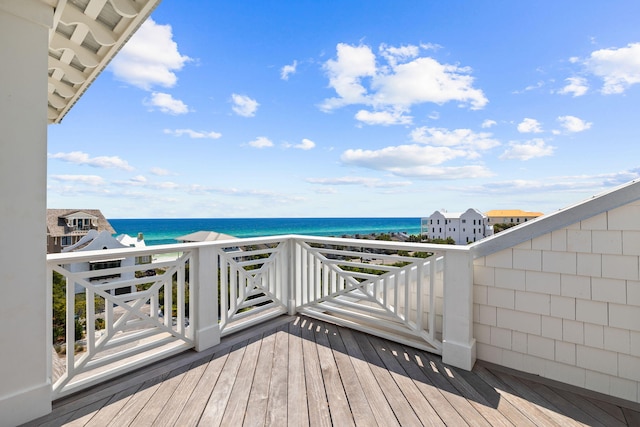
(205, 300)
(459, 346)
(292, 293)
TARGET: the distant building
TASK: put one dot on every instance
(135, 242)
(466, 227)
(208, 236)
(204, 236)
(94, 241)
(65, 227)
(511, 216)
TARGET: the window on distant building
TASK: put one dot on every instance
(65, 240)
(464, 221)
(103, 265)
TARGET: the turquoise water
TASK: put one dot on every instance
(164, 231)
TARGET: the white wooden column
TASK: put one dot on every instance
(205, 300)
(459, 346)
(25, 387)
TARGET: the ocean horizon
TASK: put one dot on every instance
(160, 231)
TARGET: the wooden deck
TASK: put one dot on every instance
(298, 371)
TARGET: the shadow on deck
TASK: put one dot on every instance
(299, 371)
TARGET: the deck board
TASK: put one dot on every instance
(277, 405)
(300, 371)
(297, 412)
(318, 405)
(256, 411)
(359, 405)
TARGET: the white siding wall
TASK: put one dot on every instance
(566, 305)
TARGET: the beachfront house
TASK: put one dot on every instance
(510, 216)
(94, 241)
(65, 227)
(557, 297)
(463, 227)
(135, 242)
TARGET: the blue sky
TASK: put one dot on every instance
(357, 108)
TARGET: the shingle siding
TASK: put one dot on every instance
(565, 304)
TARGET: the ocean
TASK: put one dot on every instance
(165, 231)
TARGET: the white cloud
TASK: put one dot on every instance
(528, 150)
(557, 184)
(167, 104)
(142, 181)
(529, 126)
(619, 68)
(405, 80)
(462, 138)
(434, 146)
(193, 134)
(150, 58)
(488, 123)
(261, 142)
(357, 180)
(529, 88)
(418, 161)
(393, 55)
(353, 63)
(426, 80)
(384, 118)
(576, 86)
(573, 124)
(396, 157)
(287, 70)
(305, 144)
(243, 105)
(82, 179)
(80, 158)
(160, 172)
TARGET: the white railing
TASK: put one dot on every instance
(193, 294)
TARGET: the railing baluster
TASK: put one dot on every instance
(180, 317)
(304, 272)
(168, 302)
(71, 330)
(407, 296)
(396, 293)
(419, 295)
(91, 320)
(433, 270)
(318, 278)
(225, 289)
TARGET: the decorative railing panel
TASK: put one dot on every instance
(118, 318)
(112, 314)
(375, 287)
(252, 284)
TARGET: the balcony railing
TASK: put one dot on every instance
(79, 228)
(195, 293)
